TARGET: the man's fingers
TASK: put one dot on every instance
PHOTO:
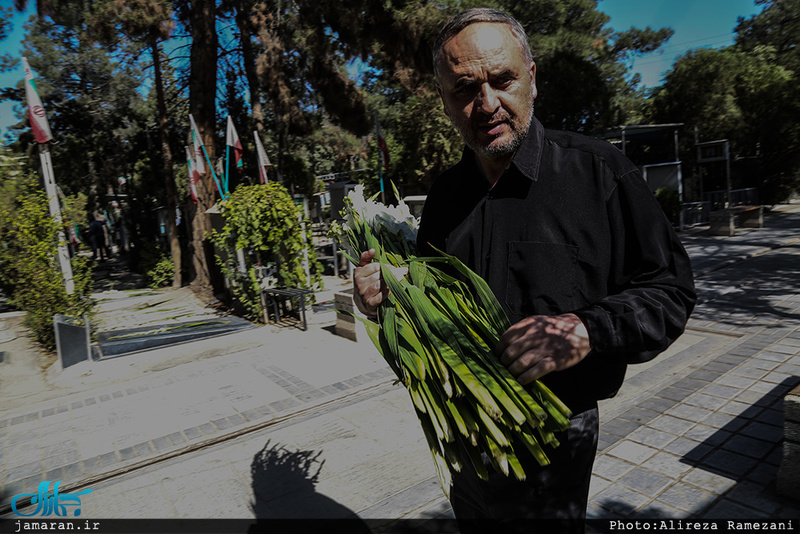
(527, 361)
(506, 346)
(515, 343)
(366, 257)
(543, 367)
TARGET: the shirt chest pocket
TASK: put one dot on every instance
(541, 279)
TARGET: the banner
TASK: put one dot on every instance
(193, 174)
(263, 160)
(197, 141)
(36, 115)
(232, 140)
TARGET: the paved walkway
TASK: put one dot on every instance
(695, 433)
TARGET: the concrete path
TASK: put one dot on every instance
(170, 433)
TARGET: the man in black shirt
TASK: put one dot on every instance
(571, 241)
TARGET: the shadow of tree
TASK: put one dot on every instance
(285, 496)
(735, 456)
(116, 274)
(616, 510)
(755, 293)
(746, 451)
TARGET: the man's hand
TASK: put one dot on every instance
(541, 344)
(370, 288)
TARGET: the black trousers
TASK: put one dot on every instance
(553, 498)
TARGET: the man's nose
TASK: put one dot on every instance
(488, 99)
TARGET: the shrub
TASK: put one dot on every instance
(154, 264)
(162, 273)
(30, 255)
(670, 203)
(264, 223)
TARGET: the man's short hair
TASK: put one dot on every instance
(475, 15)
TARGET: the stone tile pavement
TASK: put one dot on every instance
(115, 425)
(709, 443)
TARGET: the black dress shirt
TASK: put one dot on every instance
(571, 226)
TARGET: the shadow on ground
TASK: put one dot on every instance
(115, 274)
(747, 451)
(735, 458)
(284, 490)
(757, 290)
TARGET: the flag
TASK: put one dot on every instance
(194, 176)
(263, 160)
(232, 140)
(200, 156)
(197, 141)
(36, 115)
(382, 144)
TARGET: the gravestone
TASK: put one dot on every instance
(72, 339)
(347, 325)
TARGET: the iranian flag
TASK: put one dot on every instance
(263, 160)
(38, 119)
(232, 140)
(194, 176)
(197, 141)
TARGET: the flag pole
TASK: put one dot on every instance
(384, 156)
(55, 213)
(383, 193)
(211, 168)
(226, 182)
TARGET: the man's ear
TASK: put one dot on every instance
(441, 97)
(532, 71)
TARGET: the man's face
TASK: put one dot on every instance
(487, 88)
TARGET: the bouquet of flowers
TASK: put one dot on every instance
(438, 333)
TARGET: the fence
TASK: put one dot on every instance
(696, 213)
(739, 197)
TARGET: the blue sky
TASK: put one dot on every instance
(697, 24)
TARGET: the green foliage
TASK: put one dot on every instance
(297, 175)
(154, 264)
(162, 273)
(29, 269)
(581, 75)
(422, 144)
(746, 97)
(670, 203)
(777, 26)
(265, 224)
(5, 22)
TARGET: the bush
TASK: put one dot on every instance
(31, 268)
(263, 221)
(154, 264)
(162, 273)
(670, 203)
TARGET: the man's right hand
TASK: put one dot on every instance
(370, 289)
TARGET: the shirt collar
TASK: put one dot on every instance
(528, 156)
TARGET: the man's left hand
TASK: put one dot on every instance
(541, 344)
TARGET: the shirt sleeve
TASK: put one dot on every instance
(651, 287)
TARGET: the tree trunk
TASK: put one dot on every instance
(166, 154)
(202, 93)
(249, 57)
